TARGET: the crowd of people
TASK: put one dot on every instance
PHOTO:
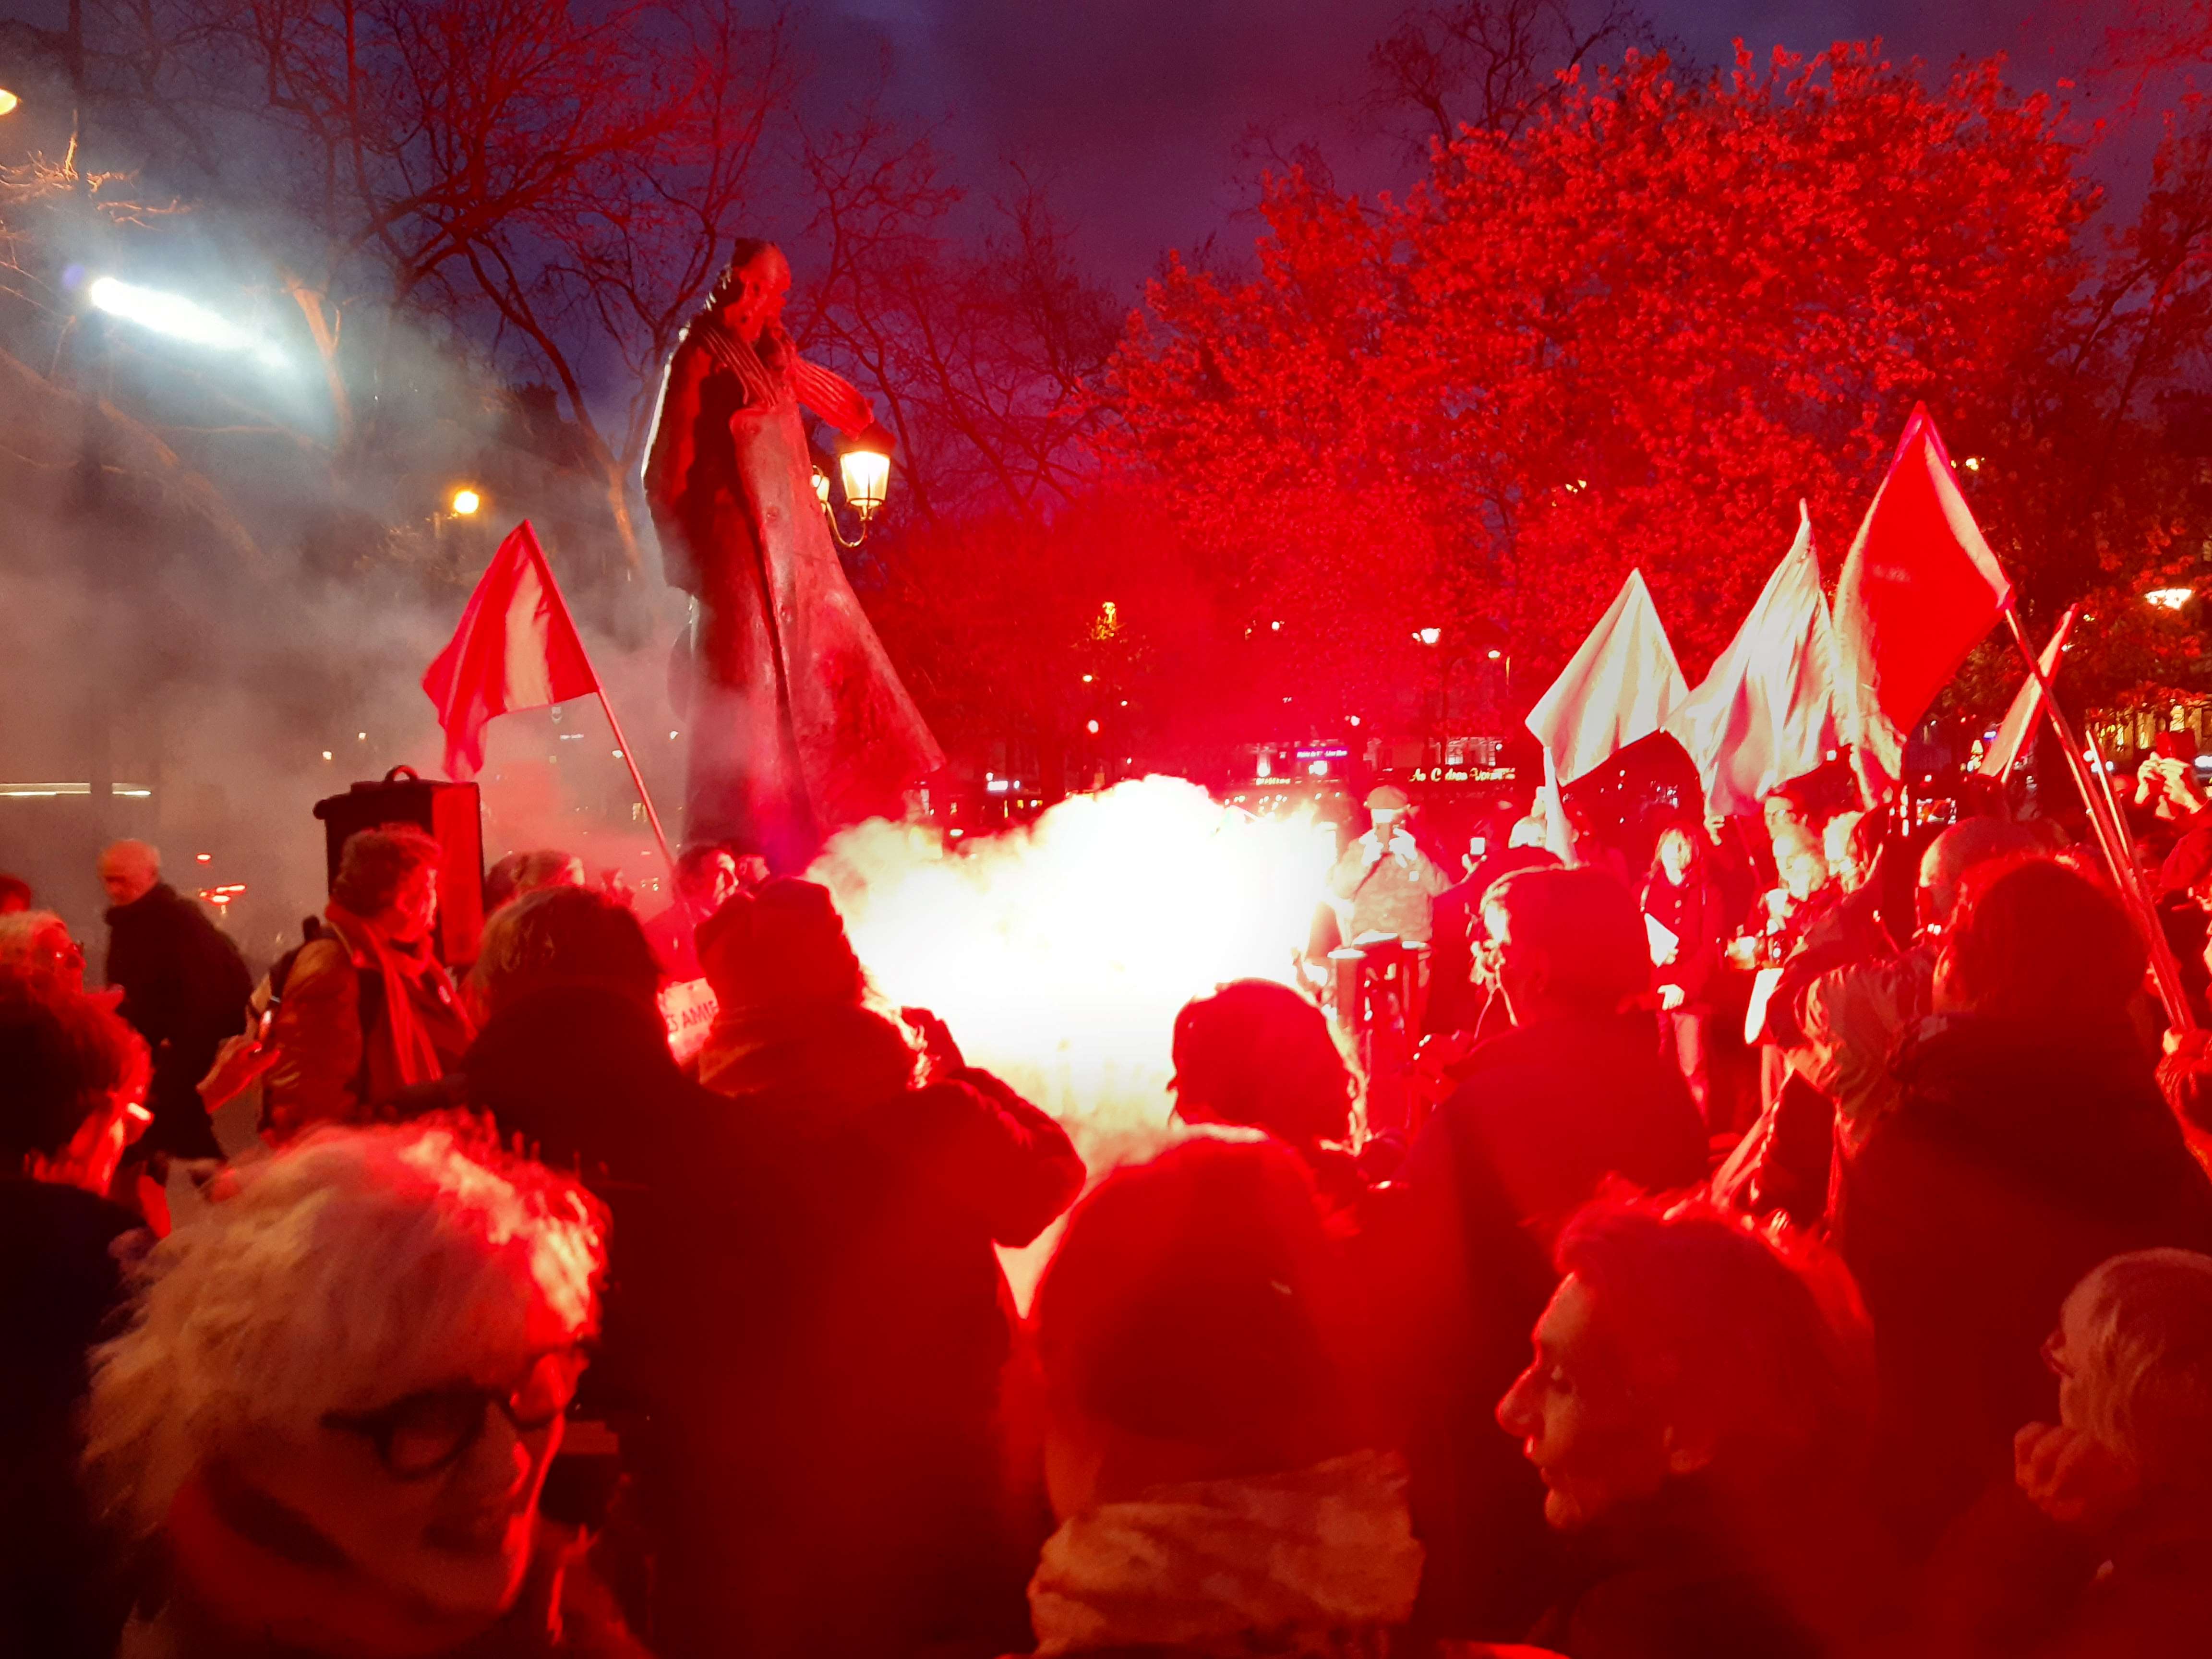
(380, 1306)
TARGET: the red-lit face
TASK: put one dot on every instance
(415, 906)
(762, 286)
(455, 1533)
(1576, 1419)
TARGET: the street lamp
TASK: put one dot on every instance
(867, 466)
(8, 102)
(1428, 636)
(863, 466)
(466, 501)
(178, 318)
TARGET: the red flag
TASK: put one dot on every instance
(1919, 589)
(2019, 720)
(516, 648)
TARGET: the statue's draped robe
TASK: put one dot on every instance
(798, 723)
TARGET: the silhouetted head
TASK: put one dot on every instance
(1256, 1053)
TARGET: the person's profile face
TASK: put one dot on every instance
(2064, 1353)
(1575, 1418)
(415, 906)
(713, 884)
(1675, 855)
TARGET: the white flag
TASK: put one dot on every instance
(2019, 723)
(1618, 688)
(1766, 712)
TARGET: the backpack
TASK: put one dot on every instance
(368, 994)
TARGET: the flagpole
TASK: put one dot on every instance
(636, 777)
(2112, 836)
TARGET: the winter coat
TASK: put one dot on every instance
(1664, 1579)
(184, 989)
(1544, 1114)
(2017, 1159)
(1390, 896)
(2008, 1582)
(1691, 912)
(833, 1474)
(337, 1059)
(1316, 1562)
(562, 1612)
(60, 1284)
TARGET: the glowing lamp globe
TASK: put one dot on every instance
(9, 101)
(867, 470)
(821, 486)
(466, 501)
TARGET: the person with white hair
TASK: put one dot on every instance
(325, 1429)
(2101, 1544)
(37, 944)
(184, 989)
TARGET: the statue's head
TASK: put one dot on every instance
(751, 293)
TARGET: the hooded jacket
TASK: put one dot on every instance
(2017, 1159)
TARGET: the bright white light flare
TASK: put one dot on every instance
(1060, 954)
(179, 318)
(2170, 598)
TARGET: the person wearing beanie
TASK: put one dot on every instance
(1384, 882)
(879, 1514)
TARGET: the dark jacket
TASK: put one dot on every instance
(1695, 914)
(59, 1285)
(1662, 1579)
(2008, 1582)
(1543, 1114)
(184, 989)
(834, 1483)
(2017, 1159)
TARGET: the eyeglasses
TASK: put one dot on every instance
(2054, 1356)
(421, 1434)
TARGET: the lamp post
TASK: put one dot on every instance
(864, 467)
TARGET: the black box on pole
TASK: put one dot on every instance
(450, 814)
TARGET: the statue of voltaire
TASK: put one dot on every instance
(798, 723)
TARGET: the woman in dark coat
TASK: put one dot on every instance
(865, 1503)
(1681, 898)
(2030, 1144)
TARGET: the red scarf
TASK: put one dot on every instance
(289, 1588)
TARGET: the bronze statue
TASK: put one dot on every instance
(798, 723)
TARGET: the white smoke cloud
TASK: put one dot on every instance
(1060, 954)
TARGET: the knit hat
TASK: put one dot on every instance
(782, 947)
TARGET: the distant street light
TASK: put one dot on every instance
(1428, 636)
(2170, 598)
(467, 501)
(178, 318)
(8, 102)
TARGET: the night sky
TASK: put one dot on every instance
(1134, 109)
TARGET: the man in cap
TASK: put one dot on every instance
(1388, 884)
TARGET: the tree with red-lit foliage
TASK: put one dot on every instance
(1631, 332)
